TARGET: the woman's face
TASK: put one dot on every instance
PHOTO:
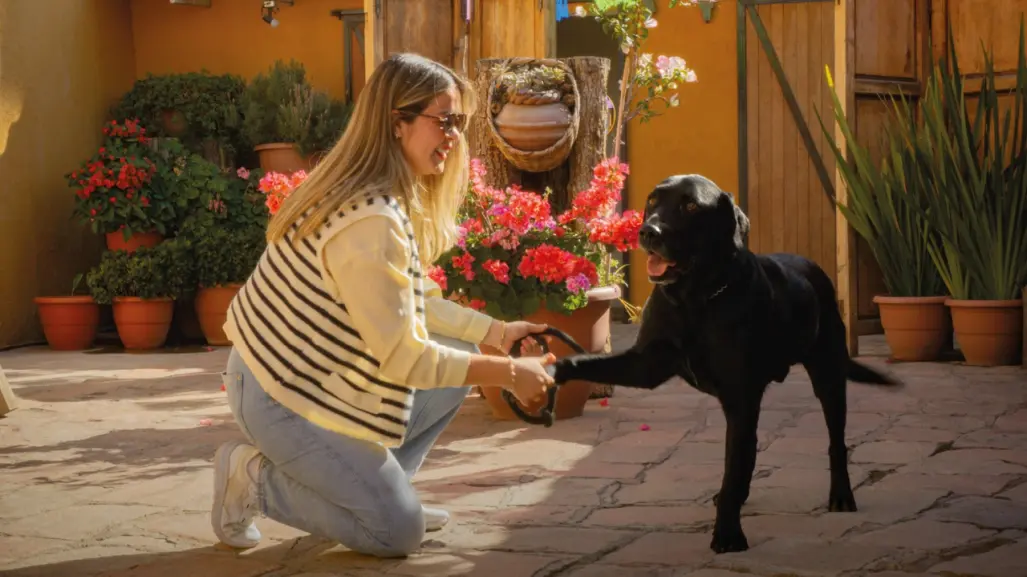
(428, 138)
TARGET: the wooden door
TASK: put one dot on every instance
(449, 32)
(892, 43)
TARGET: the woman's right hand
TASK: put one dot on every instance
(530, 379)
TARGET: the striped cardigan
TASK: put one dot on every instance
(300, 341)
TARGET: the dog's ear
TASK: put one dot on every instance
(736, 224)
(741, 227)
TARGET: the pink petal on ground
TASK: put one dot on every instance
(643, 427)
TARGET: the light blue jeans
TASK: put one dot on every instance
(333, 486)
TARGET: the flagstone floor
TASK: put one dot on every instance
(105, 469)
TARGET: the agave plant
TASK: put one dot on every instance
(878, 207)
(972, 180)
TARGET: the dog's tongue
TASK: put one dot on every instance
(656, 265)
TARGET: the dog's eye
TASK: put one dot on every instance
(691, 207)
(651, 202)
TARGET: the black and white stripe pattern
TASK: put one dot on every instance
(303, 339)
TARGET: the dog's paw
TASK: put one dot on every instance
(842, 503)
(729, 540)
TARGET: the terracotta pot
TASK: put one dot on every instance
(173, 122)
(69, 323)
(116, 240)
(284, 158)
(533, 127)
(916, 328)
(590, 327)
(143, 323)
(212, 312)
(990, 333)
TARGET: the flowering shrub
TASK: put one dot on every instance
(277, 186)
(513, 256)
(114, 188)
(629, 22)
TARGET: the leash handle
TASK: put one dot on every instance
(545, 417)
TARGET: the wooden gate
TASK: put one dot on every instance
(786, 172)
(874, 48)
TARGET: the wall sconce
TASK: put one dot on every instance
(270, 8)
(706, 7)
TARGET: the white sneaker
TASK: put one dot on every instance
(235, 496)
(434, 519)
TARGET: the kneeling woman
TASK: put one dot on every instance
(347, 362)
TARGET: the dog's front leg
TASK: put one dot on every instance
(642, 366)
(739, 461)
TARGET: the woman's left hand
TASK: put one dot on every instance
(517, 330)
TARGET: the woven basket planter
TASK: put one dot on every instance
(555, 115)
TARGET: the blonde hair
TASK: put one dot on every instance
(367, 159)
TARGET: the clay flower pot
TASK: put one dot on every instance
(990, 333)
(533, 127)
(143, 323)
(590, 327)
(116, 240)
(283, 157)
(212, 311)
(69, 322)
(916, 328)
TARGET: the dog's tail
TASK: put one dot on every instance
(860, 373)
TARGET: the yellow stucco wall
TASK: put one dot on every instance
(701, 135)
(231, 38)
(54, 94)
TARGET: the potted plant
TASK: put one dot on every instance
(286, 121)
(533, 112)
(916, 322)
(514, 261)
(974, 187)
(142, 287)
(224, 259)
(69, 322)
(115, 192)
(199, 108)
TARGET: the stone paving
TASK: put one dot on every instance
(106, 471)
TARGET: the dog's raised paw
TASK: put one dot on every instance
(729, 541)
(845, 503)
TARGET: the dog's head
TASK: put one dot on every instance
(689, 222)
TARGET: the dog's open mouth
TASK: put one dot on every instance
(656, 266)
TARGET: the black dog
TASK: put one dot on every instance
(729, 322)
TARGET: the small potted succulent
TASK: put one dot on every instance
(533, 112)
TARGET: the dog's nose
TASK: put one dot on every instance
(648, 233)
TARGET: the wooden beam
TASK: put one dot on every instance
(8, 402)
(374, 35)
(545, 29)
(844, 73)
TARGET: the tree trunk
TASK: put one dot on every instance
(575, 173)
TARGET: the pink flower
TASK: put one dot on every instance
(578, 283)
(242, 173)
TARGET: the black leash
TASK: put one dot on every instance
(546, 415)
